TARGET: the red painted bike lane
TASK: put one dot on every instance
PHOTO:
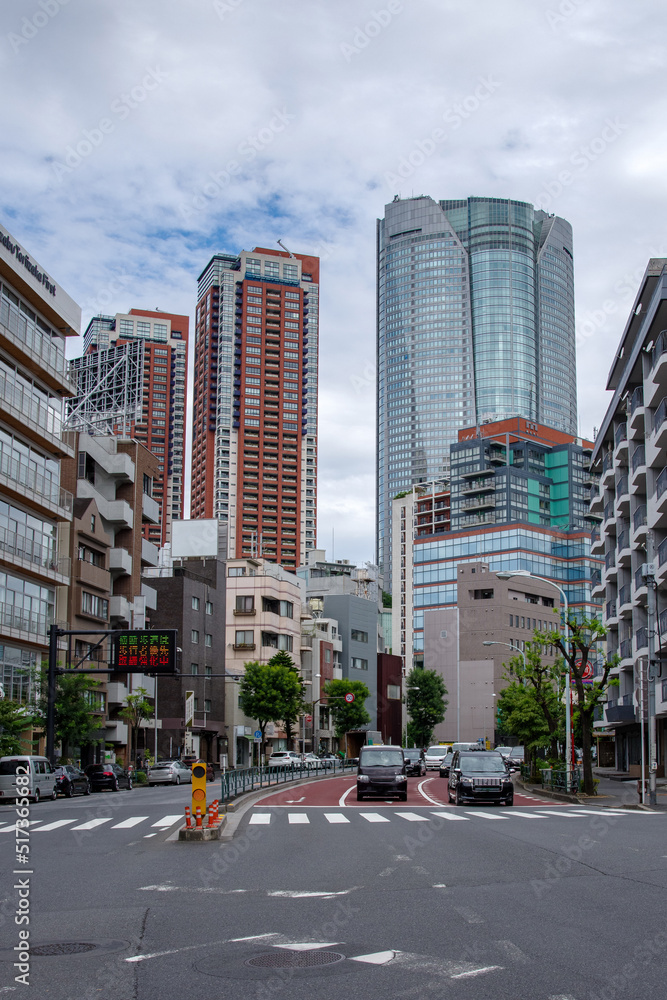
(341, 792)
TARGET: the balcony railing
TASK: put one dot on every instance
(638, 457)
(610, 609)
(621, 434)
(609, 510)
(607, 461)
(623, 541)
(660, 414)
(639, 517)
(596, 577)
(663, 622)
(662, 552)
(641, 637)
(624, 595)
(660, 347)
(610, 560)
(44, 556)
(28, 478)
(637, 399)
(595, 535)
(661, 484)
(625, 648)
(22, 329)
(12, 616)
(34, 409)
(621, 486)
(639, 579)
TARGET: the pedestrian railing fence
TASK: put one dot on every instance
(249, 779)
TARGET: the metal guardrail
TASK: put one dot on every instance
(557, 780)
(248, 779)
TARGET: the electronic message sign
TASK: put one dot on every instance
(144, 651)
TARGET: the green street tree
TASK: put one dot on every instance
(545, 683)
(269, 691)
(426, 704)
(293, 696)
(579, 654)
(347, 716)
(16, 720)
(75, 719)
(137, 708)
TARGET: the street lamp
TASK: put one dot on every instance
(515, 649)
(507, 575)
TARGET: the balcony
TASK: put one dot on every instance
(659, 434)
(618, 713)
(641, 588)
(120, 562)
(625, 649)
(641, 639)
(637, 409)
(483, 486)
(638, 470)
(120, 609)
(27, 343)
(623, 496)
(657, 504)
(116, 692)
(596, 581)
(621, 443)
(597, 499)
(150, 509)
(655, 383)
(116, 511)
(607, 477)
(639, 527)
(610, 517)
(482, 503)
(92, 576)
(623, 551)
(25, 484)
(611, 571)
(21, 623)
(28, 555)
(625, 601)
(597, 542)
(31, 416)
(116, 731)
(149, 553)
(610, 611)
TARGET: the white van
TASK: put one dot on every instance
(40, 783)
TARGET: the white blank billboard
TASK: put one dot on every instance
(194, 539)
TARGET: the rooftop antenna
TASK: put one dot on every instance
(280, 243)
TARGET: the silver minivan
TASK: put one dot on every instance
(40, 779)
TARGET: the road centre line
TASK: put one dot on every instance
(341, 801)
(420, 789)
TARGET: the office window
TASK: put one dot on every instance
(208, 671)
(209, 607)
(359, 664)
(207, 704)
(208, 639)
(393, 692)
(194, 668)
(91, 604)
(195, 604)
(236, 571)
(359, 636)
(511, 621)
(194, 635)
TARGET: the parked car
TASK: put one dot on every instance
(314, 762)
(284, 758)
(381, 771)
(414, 761)
(446, 763)
(71, 781)
(37, 780)
(329, 759)
(169, 772)
(434, 756)
(111, 776)
(480, 776)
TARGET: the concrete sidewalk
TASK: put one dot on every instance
(611, 794)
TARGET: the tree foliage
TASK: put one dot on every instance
(426, 704)
(293, 696)
(15, 719)
(137, 708)
(271, 692)
(347, 716)
(544, 683)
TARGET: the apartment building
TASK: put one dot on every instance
(36, 317)
(263, 615)
(149, 348)
(254, 443)
(321, 655)
(117, 475)
(630, 458)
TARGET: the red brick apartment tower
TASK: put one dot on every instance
(162, 427)
(254, 441)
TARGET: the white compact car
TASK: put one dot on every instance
(169, 772)
(434, 757)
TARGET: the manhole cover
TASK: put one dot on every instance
(284, 959)
(62, 948)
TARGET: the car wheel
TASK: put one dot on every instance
(116, 786)
(70, 791)
(36, 796)
(360, 797)
(403, 797)
(457, 797)
(178, 779)
(509, 801)
(54, 794)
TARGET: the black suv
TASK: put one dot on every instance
(414, 761)
(480, 776)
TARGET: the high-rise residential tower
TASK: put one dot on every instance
(160, 367)
(475, 323)
(254, 437)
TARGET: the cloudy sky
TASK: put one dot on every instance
(120, 119)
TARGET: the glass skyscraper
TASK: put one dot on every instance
(475, 323)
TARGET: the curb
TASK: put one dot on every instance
(203, 833)
(579, 800)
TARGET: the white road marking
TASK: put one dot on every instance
(92, 823)
(486, 815)
(168, 821)
(341, 801)
(413, 817)
(376, 958)
(56, 824)
(336, 818)
(150, 835)
(420, 789)
(512, 951)
(127, 824)
(298, 818)
(515, 812)
(259, 819)
(374, 818)
(307, 945)
(439, 885)
(599, 812)
(557, 812)
(299, 894)
(294, 802)
(253, 937)
(476, 972)
(12, 827)
(451, 815)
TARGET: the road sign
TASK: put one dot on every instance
(258, 734)
(149, 651)
(349, 697)
(309, 719)
(189, 708)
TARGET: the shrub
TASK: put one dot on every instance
(140, 778)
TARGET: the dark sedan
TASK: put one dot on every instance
(446, 764)
(110, 776)
(414, 761)
(71, 781)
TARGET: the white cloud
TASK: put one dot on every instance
(136, 220)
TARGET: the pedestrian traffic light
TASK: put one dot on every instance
(199, 787)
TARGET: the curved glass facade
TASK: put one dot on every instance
(475, 322)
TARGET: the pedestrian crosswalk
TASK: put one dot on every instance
(73, 825)
(352, 817)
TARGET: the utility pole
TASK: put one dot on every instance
(648, 572)
(51, 681)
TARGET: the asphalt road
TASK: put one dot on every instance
(321, 898)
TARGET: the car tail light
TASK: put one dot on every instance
(108, 774)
